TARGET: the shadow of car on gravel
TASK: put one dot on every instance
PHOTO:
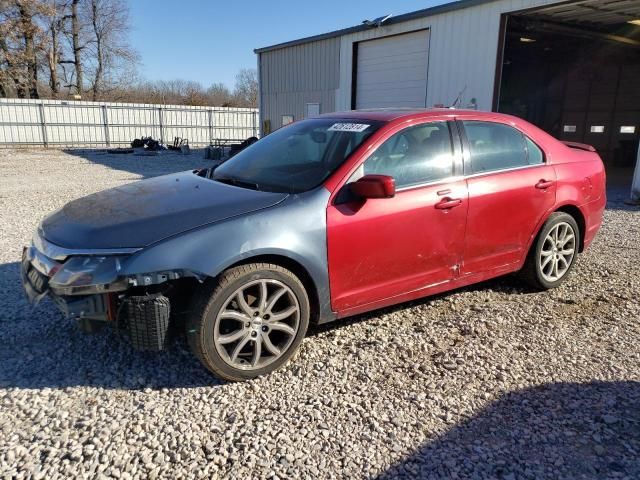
(144, 165)
(42, 349)
(508, 284)
(562, 430)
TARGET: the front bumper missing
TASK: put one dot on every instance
(145, 317)
(34, 281)
(35, 273)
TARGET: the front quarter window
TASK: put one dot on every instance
(298, 157)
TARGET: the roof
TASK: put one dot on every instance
(389, 114)
(427, 12)
(384, 114)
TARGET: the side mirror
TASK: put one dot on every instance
(374, 186)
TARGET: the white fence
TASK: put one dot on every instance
(58, 123)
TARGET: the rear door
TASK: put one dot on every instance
(382, 248)
(510, 187)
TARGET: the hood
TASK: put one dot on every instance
(145, 212)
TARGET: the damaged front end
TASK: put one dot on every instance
(89, 286)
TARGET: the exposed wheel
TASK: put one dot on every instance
(553, 253)
(250, 322)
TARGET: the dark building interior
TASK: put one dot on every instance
(574, 70)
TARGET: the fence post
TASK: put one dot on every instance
(105, 121)
(210, 112)
(43, 125)
(253, 119)
(161, 125)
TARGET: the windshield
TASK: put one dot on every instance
(298, 157)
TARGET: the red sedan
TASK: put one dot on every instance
(460, 197)
(325, 218)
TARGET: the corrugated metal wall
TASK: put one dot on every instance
(462, 53)
(294, 76)
(79, 123)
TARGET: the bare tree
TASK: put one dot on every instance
(11, 74)
(76, 46)
(21, 43)
(83, 46)
(246, 89)
(112, 58)
(11, 78)
(73, 29)
(55, 27)
(218, 94)
(28, 30)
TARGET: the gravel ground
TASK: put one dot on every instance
(491, 381)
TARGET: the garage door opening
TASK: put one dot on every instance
(574, 70)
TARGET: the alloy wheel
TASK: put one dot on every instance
(256, 324)
(557, 252)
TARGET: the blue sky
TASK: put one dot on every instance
(209, 41)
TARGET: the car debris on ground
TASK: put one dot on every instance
(148, 143)
(221, 150)
(180, 144)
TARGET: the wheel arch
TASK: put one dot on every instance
(568, 208)
(578, 216)
(294, 267)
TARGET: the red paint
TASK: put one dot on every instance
(385, 247)
(580, 146)
(374, 186)
(504, 208)
(438, 237)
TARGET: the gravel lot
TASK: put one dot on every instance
(492, 381)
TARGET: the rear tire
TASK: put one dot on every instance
(248, 322)
(553, 252)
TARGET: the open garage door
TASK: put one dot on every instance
(392, 71)
(574, 70)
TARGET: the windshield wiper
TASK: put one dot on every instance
(237, 182)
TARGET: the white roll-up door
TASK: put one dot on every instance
(392, 71)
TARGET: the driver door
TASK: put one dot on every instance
(382, 251)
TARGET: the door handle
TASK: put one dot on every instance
(544, 184)
(447, 203)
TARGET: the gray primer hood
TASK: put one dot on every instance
(141, 213)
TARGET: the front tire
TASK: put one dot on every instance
(553, 253)
(249, 322)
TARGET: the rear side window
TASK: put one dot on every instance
(495, 146)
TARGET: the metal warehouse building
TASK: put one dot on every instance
(573, 68)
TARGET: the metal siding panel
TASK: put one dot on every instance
(463, 46)
(294, 76)
(458, 56)
(310, 70)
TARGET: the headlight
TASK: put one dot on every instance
(88, 275)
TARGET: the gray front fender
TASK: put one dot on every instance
(295, 228)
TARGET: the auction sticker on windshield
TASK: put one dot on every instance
(348, 127)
